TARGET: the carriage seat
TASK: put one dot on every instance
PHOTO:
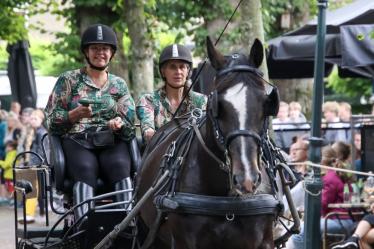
(57, 162)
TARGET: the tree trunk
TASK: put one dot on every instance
(141, 48)
(251, 26)
(119, 64)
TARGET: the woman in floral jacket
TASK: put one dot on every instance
(94, 135)
(157, 108)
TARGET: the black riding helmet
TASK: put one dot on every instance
(98, 34)
(175, 52)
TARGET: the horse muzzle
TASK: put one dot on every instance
(246, 185)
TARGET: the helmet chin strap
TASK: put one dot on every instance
(98, 68)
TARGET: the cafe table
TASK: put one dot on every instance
(355, 210)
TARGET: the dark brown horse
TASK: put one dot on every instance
(212, 199)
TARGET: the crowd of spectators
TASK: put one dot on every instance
(337, 150)
(21, 129)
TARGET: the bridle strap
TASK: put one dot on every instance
(240, 68)
(222, 164)
(245, 133)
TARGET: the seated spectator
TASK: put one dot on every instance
(282, 121)
(296, 116)
(345, 113)
(357, 148)
(281, 124)
(298, 154)
(363, 236)
(332, 192)
(333, 132)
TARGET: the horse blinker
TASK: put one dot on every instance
(272, 103)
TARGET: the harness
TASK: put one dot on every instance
(167, 200)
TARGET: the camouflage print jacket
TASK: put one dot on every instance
(154, 109)
(74, 85)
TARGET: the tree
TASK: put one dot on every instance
(141, 46)
(79, 16)
(251, 26)
(12, 19)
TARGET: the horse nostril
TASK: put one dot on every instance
(238, 179)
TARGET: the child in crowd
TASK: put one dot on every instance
(7, 168)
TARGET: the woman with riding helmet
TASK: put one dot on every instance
(157, 108)
(94, 135)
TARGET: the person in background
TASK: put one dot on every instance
(345, 113)
(7, 167)
(3, 131)
(281, 126)
(299, 154)
(363, 236)
(282, 121)
(330, 111)
(14, 128)
(357, 148)
(27, 132)
(15, 107)
(332, 192)
(95, 137)
(157, 108)
(295, 114)
(33, 142)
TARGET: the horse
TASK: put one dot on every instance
(213, 197)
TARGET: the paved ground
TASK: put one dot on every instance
(7, 233)
(7, 228)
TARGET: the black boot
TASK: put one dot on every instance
(81, 192)
(124, 184)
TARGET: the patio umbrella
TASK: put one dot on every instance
(21, 74)
(349, 45)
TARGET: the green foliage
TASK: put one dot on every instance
(349, 87)
(12, 20)
(3, 57)
(45, 59)
(192, 18)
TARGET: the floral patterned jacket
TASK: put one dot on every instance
(154, 109)
(114, 96)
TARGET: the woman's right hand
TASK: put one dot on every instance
(80, 112)
(148, 134)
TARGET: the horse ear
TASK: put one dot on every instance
(216, 58)
(272, 103)
(257, 53)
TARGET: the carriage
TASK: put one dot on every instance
(206, 180)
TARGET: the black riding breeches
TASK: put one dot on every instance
(112, 164)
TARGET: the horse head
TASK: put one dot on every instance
(238, 110)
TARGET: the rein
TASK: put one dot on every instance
(205, 60)
(167, 200)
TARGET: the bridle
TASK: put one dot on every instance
(223, 141)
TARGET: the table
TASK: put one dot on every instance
(355, 210)
(359, 205)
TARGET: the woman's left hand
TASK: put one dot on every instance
(115, 124)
